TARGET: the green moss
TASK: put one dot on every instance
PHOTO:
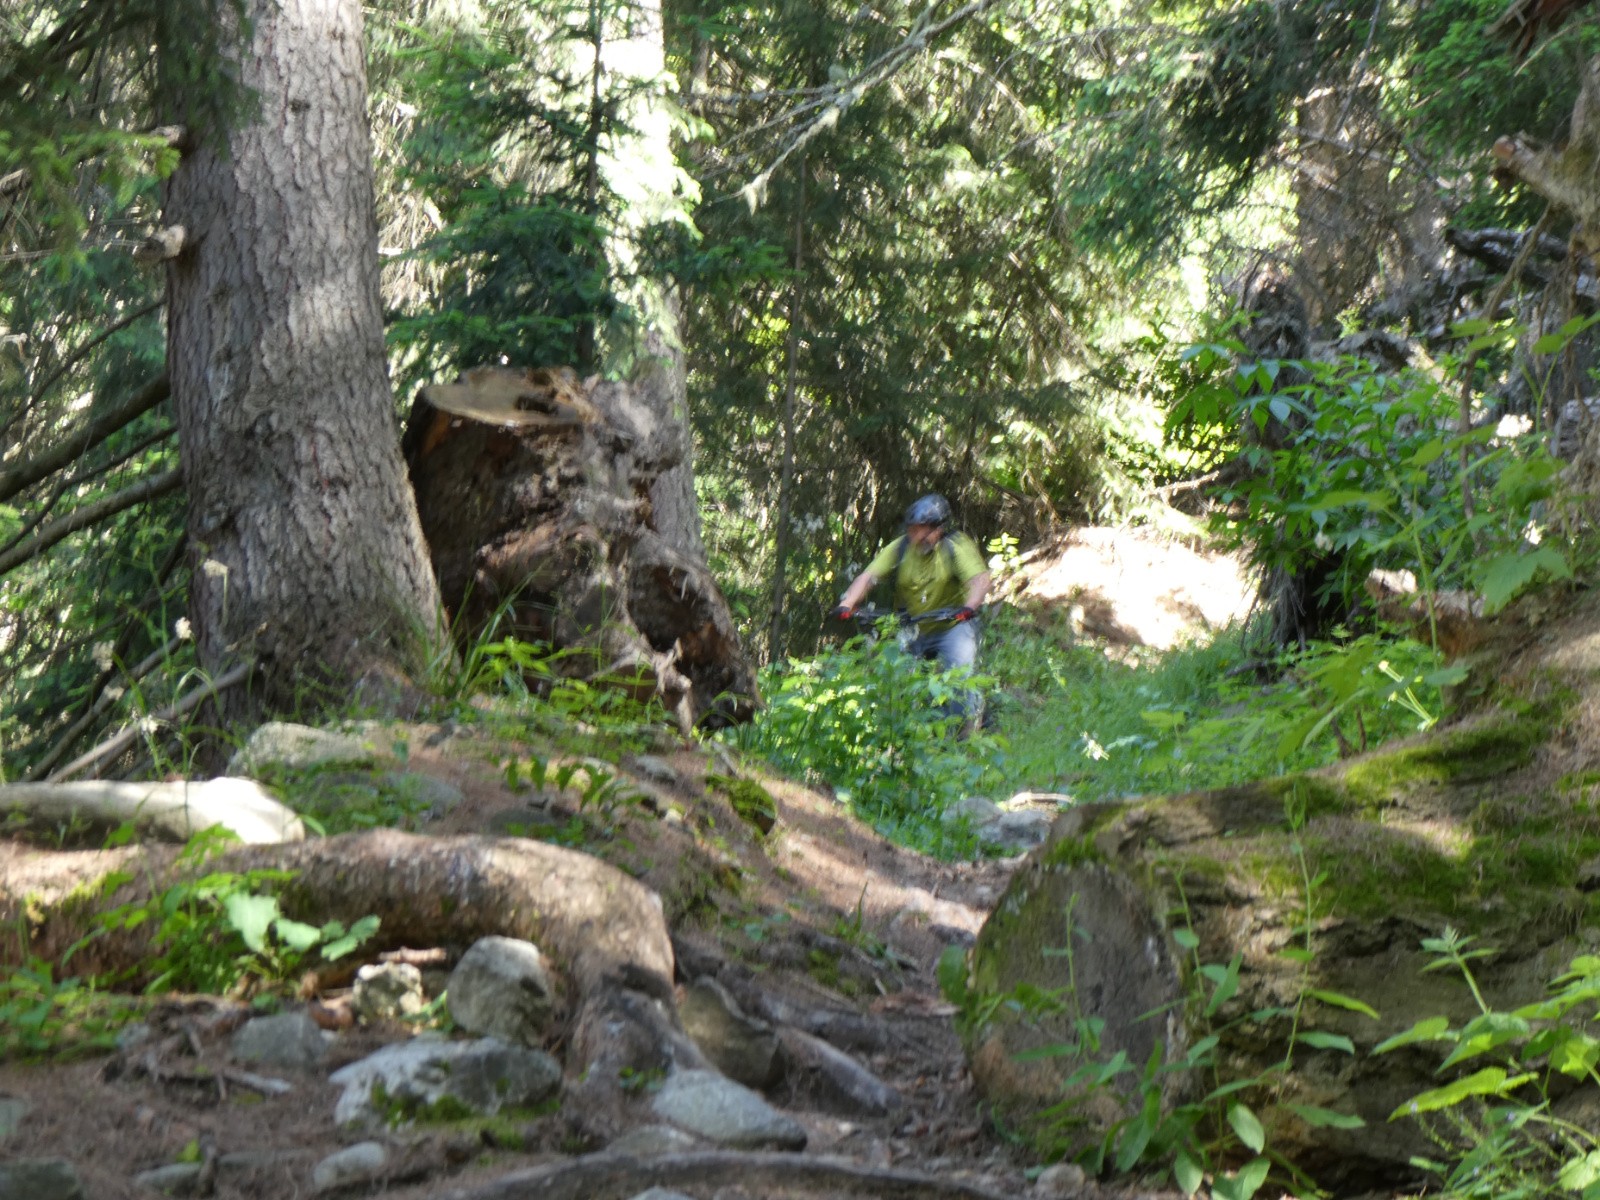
(1072, 852)
(752, 802)
(1454, 757)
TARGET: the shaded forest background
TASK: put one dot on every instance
(963, 248)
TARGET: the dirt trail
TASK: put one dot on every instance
(823, 926)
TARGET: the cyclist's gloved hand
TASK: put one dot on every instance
(841, 612)
(965, 613)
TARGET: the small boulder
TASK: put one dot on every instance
(422, 795)
(656, 769)
(362, 1163)
(502, 988)
(432, 1078)
(285, 746)
(1061, 1181)
(386, 992)
(290, 1040)
(725, 1113)
(12, 1110)
(652, 1141)
(741, 1047)
(40, 1179)
(837, 1082)
(174, 1179)
(1020, 830)
(661, 1193)
(976, 810)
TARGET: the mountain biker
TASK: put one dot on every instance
(931, 569)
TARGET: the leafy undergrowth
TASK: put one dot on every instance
(1069, 718)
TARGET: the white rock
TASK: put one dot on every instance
(362, 1163)
(1062, 1180)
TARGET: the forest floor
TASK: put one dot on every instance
(829, 925)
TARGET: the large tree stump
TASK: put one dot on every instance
(534, 489)
(1411, 840)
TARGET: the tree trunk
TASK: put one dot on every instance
(534, 492)
(307, 551)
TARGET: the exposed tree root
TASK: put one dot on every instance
(605, 930)
(172, 812)
(618, 1176)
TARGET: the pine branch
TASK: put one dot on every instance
(96, 430)
(91, 514)
(76, 356)
(125, 737)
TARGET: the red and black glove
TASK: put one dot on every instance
(965, 613)
(841, 612)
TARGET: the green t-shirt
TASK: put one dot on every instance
(935, 579)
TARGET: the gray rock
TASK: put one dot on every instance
(427, 1077)
(502, 988)
(365, 1162)
(661, 1193)
(1063, 1180)
(652, 1141)
(288, 1040)
(12, 1110)
(293, 747)
(977, 811)
(1020, 830)
(240, 1161)
(656, 769)
(726, 1113)
(174, 1179)
(39, 1179)
(838, 1082)
(741, 1047)
(386, 991)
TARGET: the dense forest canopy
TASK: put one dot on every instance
(956, 248)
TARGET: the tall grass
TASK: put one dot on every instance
(1075, 721)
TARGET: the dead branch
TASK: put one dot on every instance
(76, 356)
(122, 740)
(68, 483)
(618, 1176)
(836, 98)
(97, 429)
(173, 811)
(91, 514)
(100, 699)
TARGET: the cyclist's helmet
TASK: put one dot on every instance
(932, 509)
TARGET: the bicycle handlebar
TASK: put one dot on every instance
(869, 615)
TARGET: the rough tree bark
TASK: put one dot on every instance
(307, 551)
(535, 494)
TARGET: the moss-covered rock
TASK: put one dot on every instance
(1119, 929)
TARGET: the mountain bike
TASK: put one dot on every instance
(875, 623)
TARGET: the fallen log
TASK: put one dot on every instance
(172, 812)
(1131, 915)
